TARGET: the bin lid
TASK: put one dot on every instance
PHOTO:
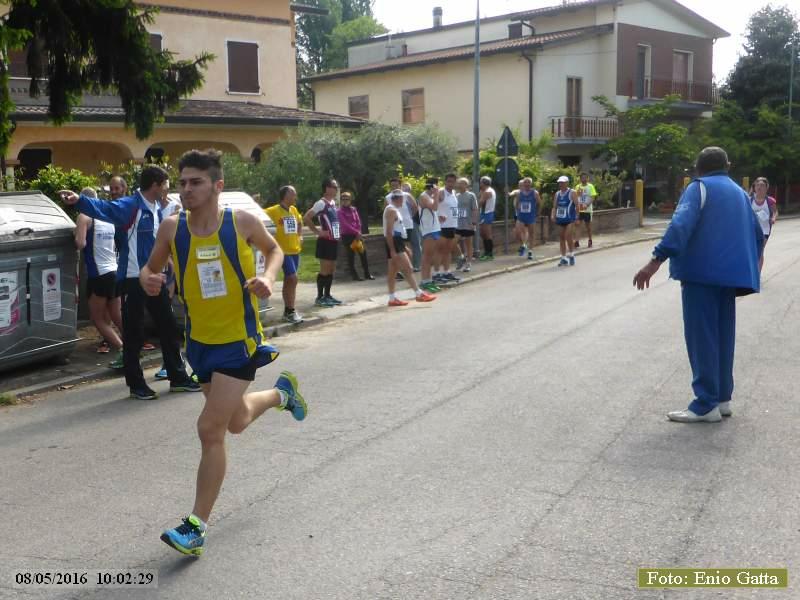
(240, 201)
(25, 213)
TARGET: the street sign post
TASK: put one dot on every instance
(507, 169)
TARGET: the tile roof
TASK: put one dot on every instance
(462, 52)
(203, 111)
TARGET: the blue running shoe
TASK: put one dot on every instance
(571, 261)
(162, 374)
(332, 300)
(186, 538)
(521, 251)
(563, 262)
(294, 401)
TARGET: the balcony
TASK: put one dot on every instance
(583, 130)
(692, 93)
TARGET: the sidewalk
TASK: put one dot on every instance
(86, 365)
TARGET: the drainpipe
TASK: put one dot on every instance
(530, 95)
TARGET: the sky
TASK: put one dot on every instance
(730, 15)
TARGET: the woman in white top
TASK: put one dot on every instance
(431, 231)
(394, 232)
(487, 201)
(766, 210)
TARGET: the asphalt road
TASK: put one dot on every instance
(506, 441)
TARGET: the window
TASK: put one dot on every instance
(243, 68)
(358, 106)
(413, 106)
(682, 74)
(681, 62)
(574, 107)
(155, 42)
(642, 82)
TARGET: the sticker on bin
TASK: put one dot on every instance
(9, 302)
(51, 294)
(9, 215)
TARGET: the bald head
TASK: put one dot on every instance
(118, 187)
(710, 159)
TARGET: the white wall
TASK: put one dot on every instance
(593, 60)
(188, 36)
(647, 13)
(448, 95)
(373, 52)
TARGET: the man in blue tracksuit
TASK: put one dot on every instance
(714, 243)
(136, 219)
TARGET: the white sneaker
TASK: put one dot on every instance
(687, 416)
(725, 409)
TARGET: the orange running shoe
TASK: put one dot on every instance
(423, 297)
(397, 302)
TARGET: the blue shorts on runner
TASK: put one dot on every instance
(434, 235)
(487, 218)
(291, 264)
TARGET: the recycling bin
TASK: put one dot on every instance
(38, 280)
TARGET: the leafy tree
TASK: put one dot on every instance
(359, 28)
(88, 45)
(758, 142)
(761, 75)
(52, 180)
(649, 137)
(322, 39)
(362, 160)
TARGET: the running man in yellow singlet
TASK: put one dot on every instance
(216, 277)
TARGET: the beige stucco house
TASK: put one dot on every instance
(539, 70)
(248, 100)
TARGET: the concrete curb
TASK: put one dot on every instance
(153, 359)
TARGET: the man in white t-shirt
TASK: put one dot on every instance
(448, 218)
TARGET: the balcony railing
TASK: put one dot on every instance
(584, 128)
(689, 91)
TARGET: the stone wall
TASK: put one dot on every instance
(604, 221)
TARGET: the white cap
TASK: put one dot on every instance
(563, 179)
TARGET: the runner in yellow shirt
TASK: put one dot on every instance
(586, 195)
(289, 235)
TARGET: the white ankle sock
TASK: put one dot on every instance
(284, 398)
(418, 292)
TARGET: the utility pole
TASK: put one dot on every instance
(476, 150)
(791, 97)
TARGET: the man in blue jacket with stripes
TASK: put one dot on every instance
(137, 218)
(713, 243)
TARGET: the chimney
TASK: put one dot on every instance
(437, 17)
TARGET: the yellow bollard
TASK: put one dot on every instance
(640, 200)
(746, 184)
(686, 182)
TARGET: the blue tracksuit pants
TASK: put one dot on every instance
(709, 323)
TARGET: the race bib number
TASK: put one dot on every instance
(335, 231)
(207, 252)
(525, 207)
(290, 225)
(561, 212)
(212, 279)
(454, 211)
(462, 213)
